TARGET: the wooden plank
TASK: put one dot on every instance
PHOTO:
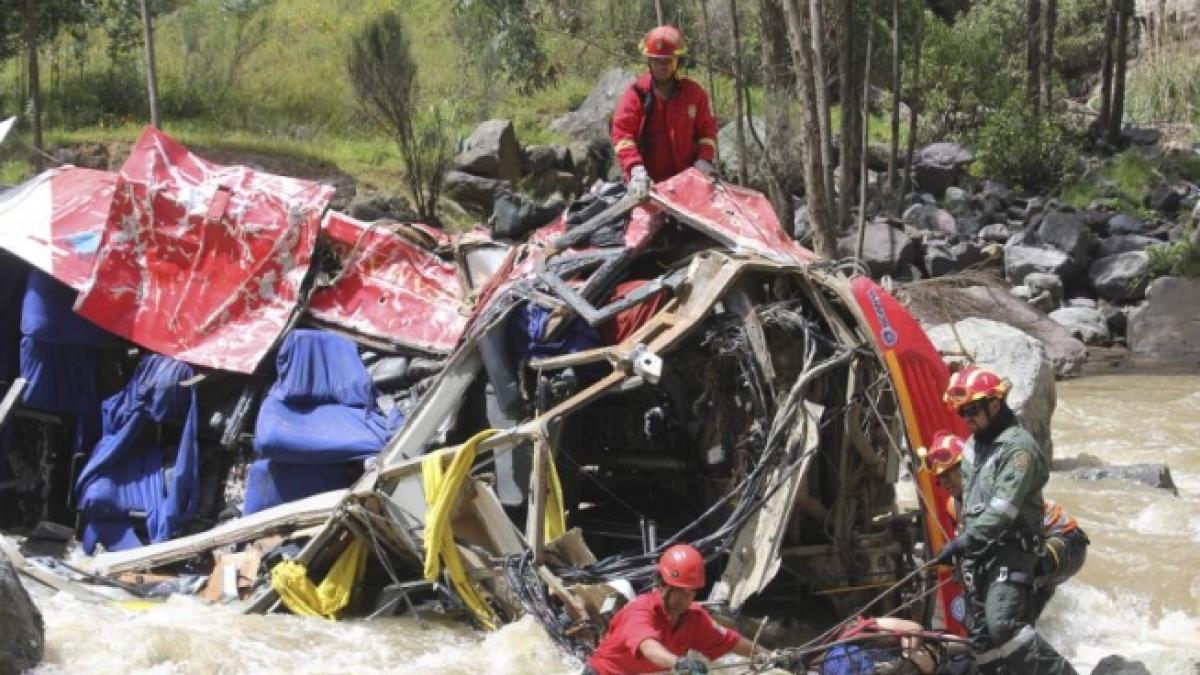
(575, 607)
(536, 515)
(303, 513)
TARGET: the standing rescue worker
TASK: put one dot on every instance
(1064, 548)
(663, 123)
(657, 630)
(1003, 472)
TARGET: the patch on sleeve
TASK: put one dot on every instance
(1021, 462)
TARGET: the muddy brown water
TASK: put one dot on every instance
(1138, 595)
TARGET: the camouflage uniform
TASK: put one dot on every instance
(1003, 475)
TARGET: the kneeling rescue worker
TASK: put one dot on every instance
(1064, 548)
(663, 123)
(1003, 472)
(655, 631)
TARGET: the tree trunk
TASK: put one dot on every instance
(1033, 51)
(1106, 67)
(35, 89)
(708, 56)
(862, 157)
(1049, 27)
(848, 72)
(739, 110)
(816, 18)
(151, 69)
(894, 151)
(777, 94)
(1117, 111)
(914, 102)
(824, 230)
(658, 11)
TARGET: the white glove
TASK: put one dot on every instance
(639, 182)
(706, 167)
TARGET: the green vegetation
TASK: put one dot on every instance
(1165, 87)
(1030, 151)
(1181, 258)
(1127, 177)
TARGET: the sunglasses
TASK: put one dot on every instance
(971, 409)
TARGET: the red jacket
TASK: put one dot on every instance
(682, 129)
(646, 618)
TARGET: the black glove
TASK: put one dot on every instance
(690, 665)
(955, 547)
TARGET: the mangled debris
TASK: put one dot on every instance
(408, 421)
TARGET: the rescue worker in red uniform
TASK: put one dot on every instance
(663, 123)
(1065, 544)
(657, 630)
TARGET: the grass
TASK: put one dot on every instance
(1165, 87)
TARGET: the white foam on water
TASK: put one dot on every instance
(1086, 624)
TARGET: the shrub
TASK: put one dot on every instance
(1165, 88)
(1028, 150)
(1180, 259)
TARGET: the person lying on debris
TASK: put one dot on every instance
(663, 123)
(880, 645)
(656, 631)
(1064, 547)
(1000, 532)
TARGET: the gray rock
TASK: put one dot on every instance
(1086, 325)
(925, 217)
(1169, 323)
(1020, 261)
(1141, 136)
(1119, 665)
(1157, 476)
(376, 206)
(757, 170)
(593, 118)
(1124, 224)
(1040, 282)
(956, 201)
(801, 223)
(995, 232)
(1122, 277)
(1163, 199)
(886, 248)
(593, 160)
(1086, 303)
(474, 193)
(1015, 355)
(1022, 238)
(1022, 292)
(939, 261)
(1068, 232)
(22, 640)
(552, 181)
(540, 159)
(941, 165)
(966, 253)
(491, 151)
(1117, 319)
(1123, 243)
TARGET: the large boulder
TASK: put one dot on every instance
(1068, 232)
(1162, 198)
(1119, 665)
(936, 302)
(1169, 323)
(1020, 261)
(475, 193)
(491, 151)
(939, 166)
(1048, 284)
(592, 120)
(22, 637)
(377, 206)
(1122, 277)
(757, 171)
(1015, 355)
(1123, 243)
(1126, 224)
(931, 218)
(1085, 324)
(1157, 476)
(886, 248)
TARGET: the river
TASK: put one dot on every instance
(1138, 595)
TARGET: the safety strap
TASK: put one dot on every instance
(1023, 637)
(647, 98)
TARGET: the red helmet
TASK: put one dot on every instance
(664, 42)
(682, 566)
(945, 453)
(974, 383)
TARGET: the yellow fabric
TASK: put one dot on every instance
(554, 524)
(300, 596)
(442, 485)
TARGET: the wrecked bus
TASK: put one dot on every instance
(363, 419)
